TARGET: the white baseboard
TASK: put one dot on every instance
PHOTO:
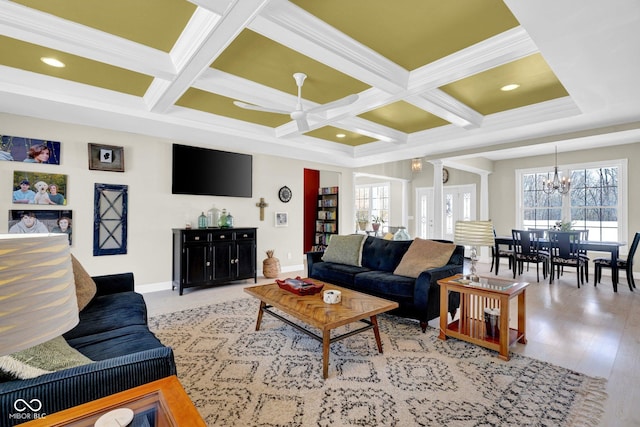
(166, 286)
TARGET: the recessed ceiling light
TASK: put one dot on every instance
(52, 61)
(509, 87)
(340, 135)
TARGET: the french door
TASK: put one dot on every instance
(459, 204)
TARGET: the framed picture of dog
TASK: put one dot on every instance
(106, 158)
(35, 188)
(41, 221)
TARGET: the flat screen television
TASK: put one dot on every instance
(209, 172)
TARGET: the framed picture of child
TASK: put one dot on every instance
(41, 221)
(29, 150)
(35, 188)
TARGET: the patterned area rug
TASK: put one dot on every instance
(237, 376)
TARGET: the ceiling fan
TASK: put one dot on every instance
(300, 114)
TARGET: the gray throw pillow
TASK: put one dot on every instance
(345, 249)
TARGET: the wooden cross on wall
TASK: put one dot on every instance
(262, 205)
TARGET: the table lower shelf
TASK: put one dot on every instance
(475, 333)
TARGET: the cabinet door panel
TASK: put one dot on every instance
(197, 264)
(245, 266)
(222, 256)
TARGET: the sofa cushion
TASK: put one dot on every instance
(85, 286)
(116, 342)
(386, 285)
(423, 255)
(338, 274)
(50, 356)
(108, 312)
(383, 255)
(345, 249)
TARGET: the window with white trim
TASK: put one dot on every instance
(372, 200)
(594, 202)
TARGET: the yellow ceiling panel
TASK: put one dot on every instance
(154, 23)
(221, 105)
(414, 32)
(26, 56)
(482, 91)
(255, 57)
(330, 134)
(404, 117)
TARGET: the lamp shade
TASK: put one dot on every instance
(474, 233)
(37, 290)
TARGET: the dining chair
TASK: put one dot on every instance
(527, 248)
(499, 251)
(623, 264)
(564, 250)
(584, 235)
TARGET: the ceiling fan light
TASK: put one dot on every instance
(53, 62)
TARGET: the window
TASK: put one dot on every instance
(372, 200)
(593, 203)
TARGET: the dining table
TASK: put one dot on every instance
(589, 245)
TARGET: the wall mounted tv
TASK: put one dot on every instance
(211, 172)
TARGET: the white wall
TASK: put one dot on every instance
(153, 210)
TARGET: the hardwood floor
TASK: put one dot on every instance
(590, 330)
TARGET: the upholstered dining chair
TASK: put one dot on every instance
(623, 264)
(527, 248)
(500, 251)
(564, 251)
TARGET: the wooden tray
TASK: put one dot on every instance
(300, 286)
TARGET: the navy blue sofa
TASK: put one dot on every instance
(113, 333)
(418, 298)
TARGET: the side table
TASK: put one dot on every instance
(474, 298)
(162, 403)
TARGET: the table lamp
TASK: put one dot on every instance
(474, 234)
(37, 290)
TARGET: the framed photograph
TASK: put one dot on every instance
(27, 150)
(41, 221)
(35, 188)
(106, 158)
(282, 219)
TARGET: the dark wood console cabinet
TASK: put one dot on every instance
(204, 257)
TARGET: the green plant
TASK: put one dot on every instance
(377, 220)
(564, 225)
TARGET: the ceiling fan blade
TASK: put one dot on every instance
(259, 108)
(303, 126)
(342, 102)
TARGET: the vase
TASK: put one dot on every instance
(270, 265)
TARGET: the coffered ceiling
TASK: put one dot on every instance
(428, 73)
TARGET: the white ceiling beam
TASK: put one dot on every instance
(204, 39)
(447, 107)
(32, 26)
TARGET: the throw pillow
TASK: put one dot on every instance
(423, 255)
(50, 356)
(345, 249)
(85, 286)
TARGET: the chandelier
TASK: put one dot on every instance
(562, 186)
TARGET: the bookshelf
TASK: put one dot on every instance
(326, 217)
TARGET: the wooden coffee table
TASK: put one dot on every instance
(313, 311)
(474, 298)
(163, 401)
